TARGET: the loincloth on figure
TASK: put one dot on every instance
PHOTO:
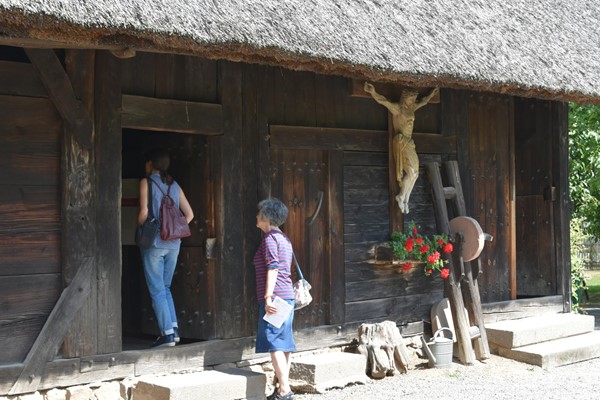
(404, 150)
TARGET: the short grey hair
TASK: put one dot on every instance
(273, 210)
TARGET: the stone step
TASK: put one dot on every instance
(557, 352)
(215, 385)
(525, 331)
(324, 371)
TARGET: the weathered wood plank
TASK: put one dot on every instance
(107, 105)
(60, 91)
(302, 137)
(515, 309)
(560, 143)
(29, 209)
(154, 114)
(336, 238)
(47, 343)
(369, 159)
(20, 79)
(27, 253)
(400, 309)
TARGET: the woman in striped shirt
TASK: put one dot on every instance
(273, 261)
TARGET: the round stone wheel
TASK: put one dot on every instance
(474, 237)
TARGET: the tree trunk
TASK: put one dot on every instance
(383, 346)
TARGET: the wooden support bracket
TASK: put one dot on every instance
(50, 338)
(57, 83)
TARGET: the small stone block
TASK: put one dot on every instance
(215, 385)
(328, 370)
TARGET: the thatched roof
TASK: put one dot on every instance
(539, 48)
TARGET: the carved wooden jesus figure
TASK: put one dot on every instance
(403, 146)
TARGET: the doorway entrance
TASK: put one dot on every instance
(190, 167)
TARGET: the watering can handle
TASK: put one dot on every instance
(436, 334)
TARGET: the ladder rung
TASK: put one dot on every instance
(449, 192)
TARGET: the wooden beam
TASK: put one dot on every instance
(389, 90)
(50, 338)
(154, 114)
(309, 137)
(108, 150)
(60, 91)
(78, 206)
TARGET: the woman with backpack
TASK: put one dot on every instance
(161, 258)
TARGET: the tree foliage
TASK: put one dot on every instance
(584, 169)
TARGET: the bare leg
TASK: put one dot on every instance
(281, 364)
(411, 174)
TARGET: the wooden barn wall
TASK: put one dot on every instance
(254, 98)
(30, 205)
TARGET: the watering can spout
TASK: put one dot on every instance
(427, 350)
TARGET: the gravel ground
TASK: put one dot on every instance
(496, 378)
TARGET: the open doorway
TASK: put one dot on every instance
(191, 287)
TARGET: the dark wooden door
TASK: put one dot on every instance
(193, 283)
(300, 180)
(535, 244)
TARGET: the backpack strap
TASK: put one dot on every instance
(162, 191)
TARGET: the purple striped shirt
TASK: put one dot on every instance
(274, 251)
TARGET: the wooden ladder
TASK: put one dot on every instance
(473, 331)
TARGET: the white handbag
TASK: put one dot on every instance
(302, 296)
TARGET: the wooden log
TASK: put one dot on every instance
(52, 334)
(384, 348)
(452, 285)
(472, 298)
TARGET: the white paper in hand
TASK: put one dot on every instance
(283, 312)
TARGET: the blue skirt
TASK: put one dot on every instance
(270, 339)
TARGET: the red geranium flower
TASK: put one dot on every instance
(406, 266)
(444, 273)
(440, 241)
(428, 272)
(431, 259)
(424, 249)
(419, 240)
(415, 230)
(409, 244)
(448, 248)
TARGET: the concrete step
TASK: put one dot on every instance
(525, 331)
(215, 385)
(557, 352)
(324, 371)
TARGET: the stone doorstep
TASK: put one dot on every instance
(527, 331)
(557, 352)
(320, 372)
(215, 385)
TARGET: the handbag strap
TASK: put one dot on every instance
(150, 210)
(300, 275)
(298, 266)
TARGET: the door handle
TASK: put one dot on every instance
(312, 219)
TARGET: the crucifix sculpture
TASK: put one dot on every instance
(403, 147)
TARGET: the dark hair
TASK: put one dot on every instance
(160, 161)
(273, 210)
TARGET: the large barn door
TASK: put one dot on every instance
(535, 197)
(300, 180)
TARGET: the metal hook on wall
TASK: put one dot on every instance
(312, 219)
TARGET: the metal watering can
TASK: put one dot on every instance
(439, 349)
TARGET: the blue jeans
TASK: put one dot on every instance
(159, 267)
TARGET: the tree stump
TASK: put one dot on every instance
(383, 346)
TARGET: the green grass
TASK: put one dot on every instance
(593, 284)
